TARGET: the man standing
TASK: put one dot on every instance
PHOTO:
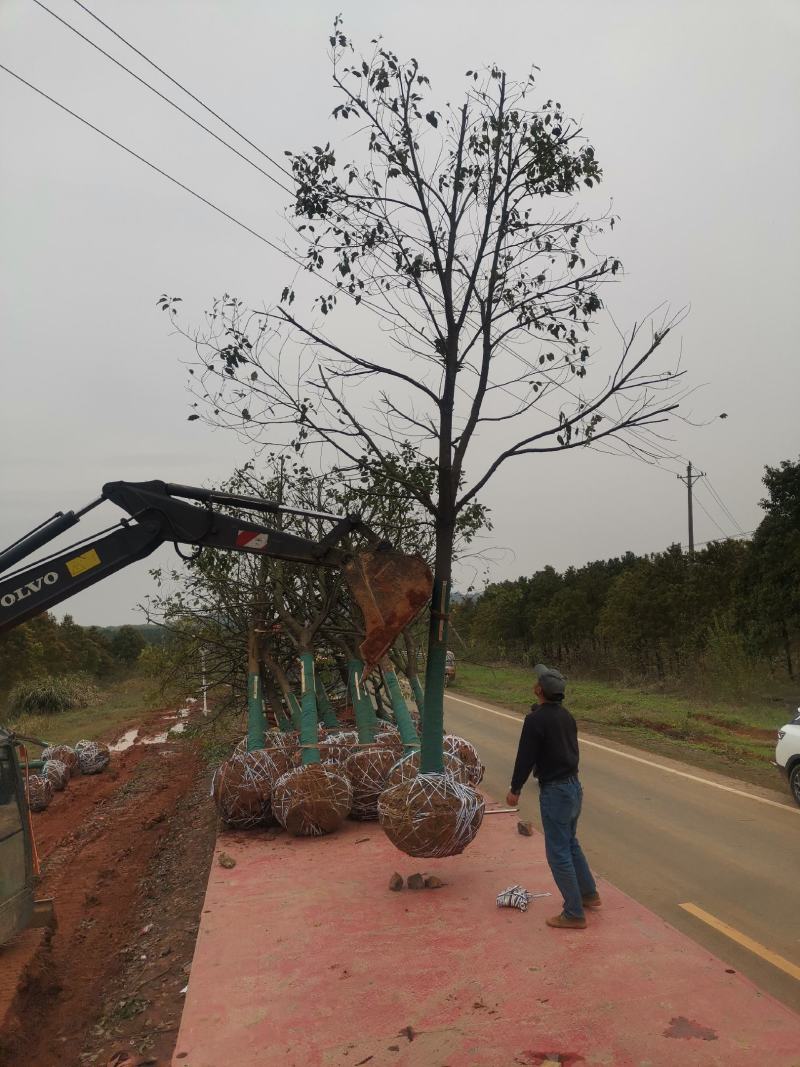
(548, 747)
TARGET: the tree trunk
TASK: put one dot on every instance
(275, 700)
(405, 724)
(365, 713)
(291, 700)
(308, 715)
(256, 720)
(432, 759)
(325, 707)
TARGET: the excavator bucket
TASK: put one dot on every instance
(391, 589)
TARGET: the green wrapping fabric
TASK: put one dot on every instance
(324, 705)
(365, 713)
(405, 724)
(256, 720)
(419, 699)
(308, 711)
(432, 759)
(295, 711)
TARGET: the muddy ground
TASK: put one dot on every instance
(125, 855)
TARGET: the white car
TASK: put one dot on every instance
(787, 754)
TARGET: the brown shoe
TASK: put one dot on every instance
(592, 900)
(566, 922)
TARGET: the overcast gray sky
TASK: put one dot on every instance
(692, 107)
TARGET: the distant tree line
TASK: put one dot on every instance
(43, 646)
(725, 616)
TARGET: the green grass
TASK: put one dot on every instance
(737, 739)
(120, 704)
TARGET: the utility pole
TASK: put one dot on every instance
(689, 479)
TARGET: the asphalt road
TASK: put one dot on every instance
(675, 836)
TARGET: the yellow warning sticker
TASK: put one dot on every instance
(83, 563)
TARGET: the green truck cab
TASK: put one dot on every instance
(16, 850)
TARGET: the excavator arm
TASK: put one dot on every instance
(389, 587)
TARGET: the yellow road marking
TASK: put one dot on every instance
(647, 762)
(742, 939)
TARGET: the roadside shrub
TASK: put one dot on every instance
(49, 696)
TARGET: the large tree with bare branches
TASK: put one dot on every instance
(457, 230)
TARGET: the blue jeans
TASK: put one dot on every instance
(560, 806)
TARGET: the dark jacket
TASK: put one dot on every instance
(548, 746)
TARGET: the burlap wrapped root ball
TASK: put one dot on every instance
(312, 800)
(389, 737)
(408, 767)
(63, 753)
(273, 739)
(242, 786)
(431, 816)
(367, 771)
(40, 792)
(57, 773)
(337, 747)
(93, 756)
(468, 754)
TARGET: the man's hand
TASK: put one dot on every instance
(512, 799)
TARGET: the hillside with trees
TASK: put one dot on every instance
(726, 619)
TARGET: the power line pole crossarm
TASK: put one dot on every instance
(689, 479)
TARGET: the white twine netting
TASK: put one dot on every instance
(431, 815)
(93, 756)
(468, 754)
(368, 770)
(408, 767)
(65, 754)
(242, 786)
(272, 739)
(517, 897)
(56, 772)
(312, 800)
(40, 792)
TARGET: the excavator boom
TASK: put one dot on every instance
(389, 587)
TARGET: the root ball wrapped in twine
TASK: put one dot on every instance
(311, 801)
(468, 754)
(367, 771)
(408, 767)
(40, 792)
(272, 739)
(431, 816)
(242, 787)
(63, 753)
(93, 756)
(57, 773)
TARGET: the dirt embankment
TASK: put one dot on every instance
(125, 856)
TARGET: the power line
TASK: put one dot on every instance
(166, 99)
(152, 166)
(711, 519)
(183, 88)
(722, 504)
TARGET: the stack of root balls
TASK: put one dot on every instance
(430, 815)
(59, 764)
(243, 784)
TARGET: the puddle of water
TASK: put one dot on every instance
(130, 737)
(123, 743)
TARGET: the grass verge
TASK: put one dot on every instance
(122, 703)
(737, 740)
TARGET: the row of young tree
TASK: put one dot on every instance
(724, 616)
(44, 646)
